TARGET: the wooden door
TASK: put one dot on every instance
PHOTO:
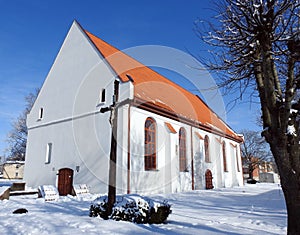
(208, 180)
(65, 181)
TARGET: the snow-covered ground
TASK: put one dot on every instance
(252, 209)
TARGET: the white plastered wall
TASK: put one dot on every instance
(71, 122)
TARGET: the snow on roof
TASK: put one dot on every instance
(154, 89)
(14, 162)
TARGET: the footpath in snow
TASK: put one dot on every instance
(252, 209)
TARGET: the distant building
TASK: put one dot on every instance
(264, 171)
(247, 165)
(13, 170)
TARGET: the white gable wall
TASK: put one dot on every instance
(71, 121)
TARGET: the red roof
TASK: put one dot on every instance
(152, 88)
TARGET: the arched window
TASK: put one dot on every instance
(224, 156)
(237, 158)
(150, 144)
(182, 149)
(206, 148)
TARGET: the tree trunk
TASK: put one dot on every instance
(292, 198)
(250, 173)
(291, 190)
(289, 182)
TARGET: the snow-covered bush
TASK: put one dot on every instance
(133, 208)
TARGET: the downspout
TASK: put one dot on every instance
(128, 149)
(192, 161)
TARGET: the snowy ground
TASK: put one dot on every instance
(252, 209)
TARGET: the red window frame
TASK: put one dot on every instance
(237, 159)
(224, 156)
(182, 150)
(150, 144)
(206, 148)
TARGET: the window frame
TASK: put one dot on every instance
(150, 153)
(237, 159)
(206, 149)
(102, 96)
(225, 167)
(182, 150)
(48, 153)
(41, 113)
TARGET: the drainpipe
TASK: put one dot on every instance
(128, 150)
(192, 160)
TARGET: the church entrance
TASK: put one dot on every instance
(65, 181)
(208, 180)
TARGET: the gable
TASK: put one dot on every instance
(73, 83)
(151, 88)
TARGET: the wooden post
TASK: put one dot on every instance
(112, 163)
(113, 151)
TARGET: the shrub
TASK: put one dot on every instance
(133, 208)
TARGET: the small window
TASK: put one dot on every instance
(17, 166)
(224, 156)
(48, 154)
(102, 96)
(41, 113)
(182, 150)
(17, 174)
(206, 149)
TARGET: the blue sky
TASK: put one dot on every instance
(32, 32)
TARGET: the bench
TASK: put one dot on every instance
(80, 189)
(49, 192)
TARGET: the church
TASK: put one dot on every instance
(168, 139)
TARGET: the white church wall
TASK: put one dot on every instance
(71, 122)
(199, 160)
(167, 174)
(229, 165)
(72, 147)
(122, 150)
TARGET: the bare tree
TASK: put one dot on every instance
(257, 49)
(255, 151)
(17, 137)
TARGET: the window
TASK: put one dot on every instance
(17, 174)
(224, 156)
(237, 159)
(150, 144)
(48, 153)
(41, 113)
(182, 149)
(206, 148)
(102, 96)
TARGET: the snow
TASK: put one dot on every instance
(3, 189)
(251, 209)
(291, 130)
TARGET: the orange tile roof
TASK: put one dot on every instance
(153, 88)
